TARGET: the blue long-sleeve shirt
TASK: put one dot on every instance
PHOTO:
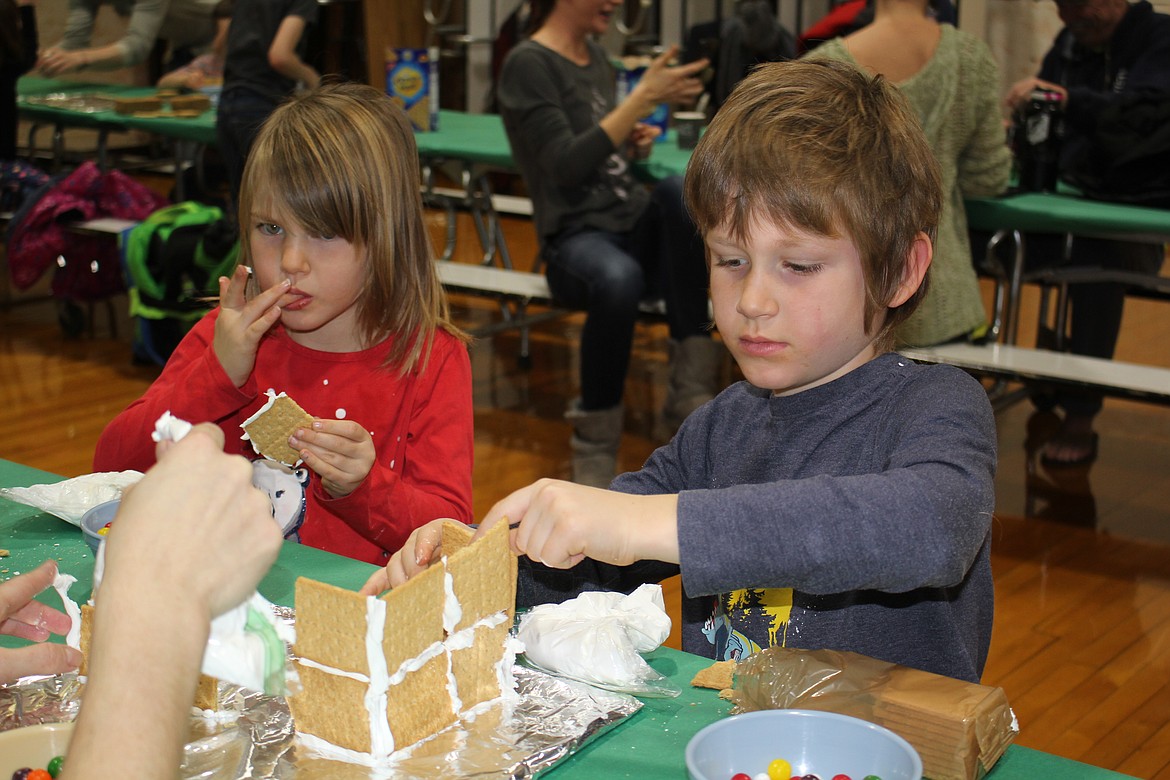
(853, 516)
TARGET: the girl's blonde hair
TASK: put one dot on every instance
(342, 161)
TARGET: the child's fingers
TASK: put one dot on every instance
(266, 301)
(378, 583)
(232, 288)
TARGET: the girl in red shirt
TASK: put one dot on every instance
(345, 313)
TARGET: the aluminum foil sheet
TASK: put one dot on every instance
(253, 736)
(84, 102)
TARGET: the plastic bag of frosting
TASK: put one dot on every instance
(72, 498)
(597, 638)
(247, 644)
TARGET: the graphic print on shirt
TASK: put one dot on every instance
(286, 488)
(617, 167)
(738, 616)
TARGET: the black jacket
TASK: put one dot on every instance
(1117, 119)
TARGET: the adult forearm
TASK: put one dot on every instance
(163, 640)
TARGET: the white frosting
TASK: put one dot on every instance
(453, 684)
(272, 396)
(506, 668)
(334, 671)
(216, 716)
(326, 749)
(381, 738)
(61, 584)
(170, 428)
(452, 609)
(414, 664)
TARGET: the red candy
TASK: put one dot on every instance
(842, 777)
(741, 776)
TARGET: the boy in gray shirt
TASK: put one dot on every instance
(841, 496)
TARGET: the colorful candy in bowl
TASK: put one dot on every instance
(95, 523)
(38, 747)
(796, 743)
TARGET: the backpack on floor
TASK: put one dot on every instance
(87, 268)
(173, 260)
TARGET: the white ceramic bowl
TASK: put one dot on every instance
(823, 743)
(33, 746)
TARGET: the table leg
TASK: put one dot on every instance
(1017, 276)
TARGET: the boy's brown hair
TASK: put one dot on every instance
(342, 160)
(821, 147)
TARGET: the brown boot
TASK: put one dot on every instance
(694, 378)
(597, 433)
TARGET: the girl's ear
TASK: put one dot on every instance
(921, 252)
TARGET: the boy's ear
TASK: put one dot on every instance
(921, 252)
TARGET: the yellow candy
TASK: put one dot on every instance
(779, 769)
(103, 531)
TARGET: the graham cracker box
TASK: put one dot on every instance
(412, 81)
(960, 729)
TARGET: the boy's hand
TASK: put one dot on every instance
(340, 451)
(22, 616)
(242, 323)
(561, 523)
(422, 549)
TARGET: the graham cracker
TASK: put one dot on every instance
(86, 638)
(718, 675)
(419, 706)
(331, 707)
(131, 105)
(455, 536)
(331, 626)
(269, 432)
(485, 576)
(475, 667)
(414, 617)
(194, 103)
(206, 692)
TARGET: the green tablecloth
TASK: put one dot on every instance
(200, 129)
(648, 746)
(480, 139)
(1047, 212)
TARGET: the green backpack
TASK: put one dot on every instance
(173, 260)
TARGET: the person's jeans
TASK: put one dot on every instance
(609, 274)
(239, 116)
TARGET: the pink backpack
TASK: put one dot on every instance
(88, 268)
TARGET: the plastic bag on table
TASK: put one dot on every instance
(597, 638)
